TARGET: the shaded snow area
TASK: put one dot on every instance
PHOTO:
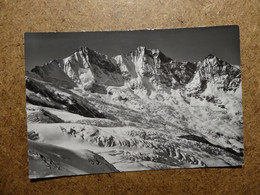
(89, 113)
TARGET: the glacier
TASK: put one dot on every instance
(90, 113)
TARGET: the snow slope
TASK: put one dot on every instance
(47, 160)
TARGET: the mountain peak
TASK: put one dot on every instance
(83, 49)
(214, 69)
(210, 56)
(141, 48)
(215, 61)
(147, 50)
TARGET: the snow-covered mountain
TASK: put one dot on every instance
(146, 69)
(152, 71)
(141, 110)
(83, 68)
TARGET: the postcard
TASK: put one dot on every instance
(116, 101)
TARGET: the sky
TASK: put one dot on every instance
(186, 44)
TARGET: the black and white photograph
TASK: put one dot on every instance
(117, 101)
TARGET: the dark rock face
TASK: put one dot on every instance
(183, 72)
(51, 72)
(43, 116)
(73, 104)
(100, 60)
(203, 140)
(158, 54)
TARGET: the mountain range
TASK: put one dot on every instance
(152, 111)
(147, 69)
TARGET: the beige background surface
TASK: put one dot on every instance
(17, 17)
